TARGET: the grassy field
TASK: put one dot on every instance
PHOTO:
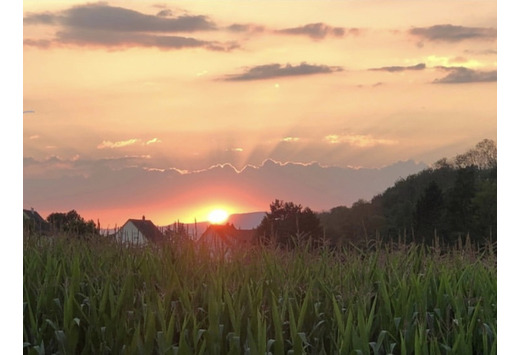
(101, 298)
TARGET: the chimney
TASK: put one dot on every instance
(143, 217)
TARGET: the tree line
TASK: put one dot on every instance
(454, 198)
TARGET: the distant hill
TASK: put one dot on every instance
(246, 220)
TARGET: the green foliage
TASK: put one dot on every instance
(98, 297)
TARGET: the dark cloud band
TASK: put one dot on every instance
(83, 37)
(107, 26)
(270, 71)
(318, 31)
(461, 75)
(420, 66)
(118, 19)
(451, 33)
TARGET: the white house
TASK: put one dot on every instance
(139, 232)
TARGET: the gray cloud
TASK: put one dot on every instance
(482, 52)
(277, 70)
(420, 66)
(103, 25)
(250, 28)
(459, 75)
(44, 18)
(165, 13)
(84, 37)
(451, 33)
(318, 31)
(104, 17)
(40, 43)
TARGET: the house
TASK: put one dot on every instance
(34, 223)
(139, 232)
(223, 239)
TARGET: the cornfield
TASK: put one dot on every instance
(97, 297)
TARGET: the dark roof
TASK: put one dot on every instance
(39, 223)
(229, 234)
(148, 229)
(32, 214)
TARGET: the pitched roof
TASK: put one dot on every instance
(228, 234)
(148, 229)
(32, 214)
(40, 223)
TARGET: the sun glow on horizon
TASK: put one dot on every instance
(218, 216)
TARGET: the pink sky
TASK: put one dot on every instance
(154, 88)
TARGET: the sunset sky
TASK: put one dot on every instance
(171, 109)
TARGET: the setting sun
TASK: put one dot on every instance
(218, 216)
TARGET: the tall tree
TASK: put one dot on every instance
(287, 222)
(429, 212)
(482, 156)
(485, 207)
(460, 202)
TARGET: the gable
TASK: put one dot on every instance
(33, 218)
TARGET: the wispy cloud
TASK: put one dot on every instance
(39, 43)
(248, 28)
(43, 18)
(453, 62)
(119, 144)
(391, 69)
(318, 31)
(481, 52)
(236, 150)
(270, 71)
(361, 141)
(165, 13)
(459, 75)
(290, 139)
(451, 33)
(153, 141)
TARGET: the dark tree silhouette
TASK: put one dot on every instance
(455, 197)
(288, 223)
(71, 222)
(482, 156)
(460, 207)
(429, 212)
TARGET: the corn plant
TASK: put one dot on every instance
(83, 297)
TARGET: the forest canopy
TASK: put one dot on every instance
(454, 198)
